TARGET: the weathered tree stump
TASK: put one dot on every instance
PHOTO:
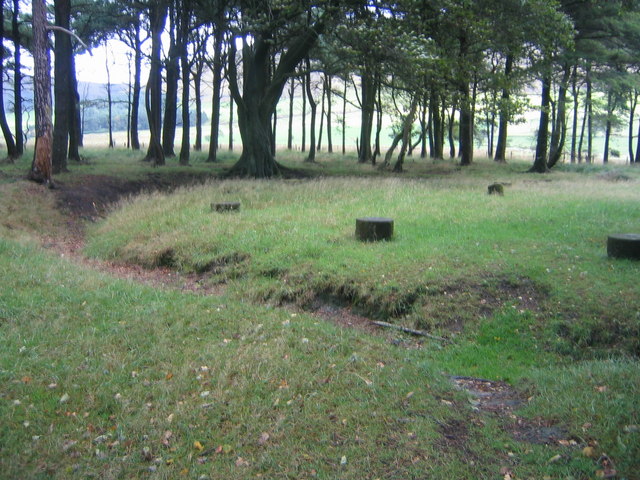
(225, 206)
(624, 245)
(372, 229)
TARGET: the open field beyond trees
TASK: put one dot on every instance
(143, 335)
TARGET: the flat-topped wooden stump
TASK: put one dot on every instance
(372, 229)
(624, 245)
(225, 206)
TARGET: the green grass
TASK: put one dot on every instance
(96, 370)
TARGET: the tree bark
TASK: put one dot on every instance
(540, 162)
(135, 95)
(574, 126)
(368, 98)
(328, 84)
(633, 103)
(322, 113)
(406, 133)
(344, 118)
(214, 134)
(172, 73)
(17, 79)
(560, 130)
(436, 121)
(292, 91)
(197, 93)
(452, 143)
(505, 117)
(153, 91)
(109, 102)
(12, 151)
(311, 157)
(41, 167)
(75, 130)
(466, 128)
(589, 103)
(259, 98)
(183, 41)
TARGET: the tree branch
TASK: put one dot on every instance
(69, 32)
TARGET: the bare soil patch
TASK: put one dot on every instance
(88, 198)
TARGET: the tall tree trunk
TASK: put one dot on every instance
(560, 130)
(589, 102)
(303, 84)
(378, 112)
(633, 103)
(540, 162)
(214, 134)
(17, 79)
(406, 133)
(12, 151)
(611, 107)
(437, 123)
(466, 127)
(41, 166)
(197, 93)
(423, 128)
(574, 125)
(637, 159)
(322, 112)
(344, 118)
(314, 106)
(109, 102)
(368, 98)
(135, 97)
(585, 114)
(75, 130)
(64, 100)
(183, 41)
(452, 142)
(153, 92)
(231, 107)
(171, 93)
(505, 116)
(129, 90)
(292, 92)
(328, 81)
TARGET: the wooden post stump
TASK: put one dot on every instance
(624, 245)
(225, 206)
(372, 229)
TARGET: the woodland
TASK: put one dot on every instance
(182, 308)
(445, 71)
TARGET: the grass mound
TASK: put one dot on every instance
(458, 254)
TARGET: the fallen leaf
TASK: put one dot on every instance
(241, 462)
(26, 379)
(168, 376)
(264, 438)
(166, 437)
(554, 459)
(184, 471)
(589, 452)
(602, 388)
(343, 460)
(64, 398)
(198, 446)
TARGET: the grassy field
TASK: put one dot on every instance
(104, 377)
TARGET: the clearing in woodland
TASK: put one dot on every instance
(145, 335)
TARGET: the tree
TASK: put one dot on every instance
(153, 91)
(12, 151)
(284, 29)
(41, 168)
(17, 79)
